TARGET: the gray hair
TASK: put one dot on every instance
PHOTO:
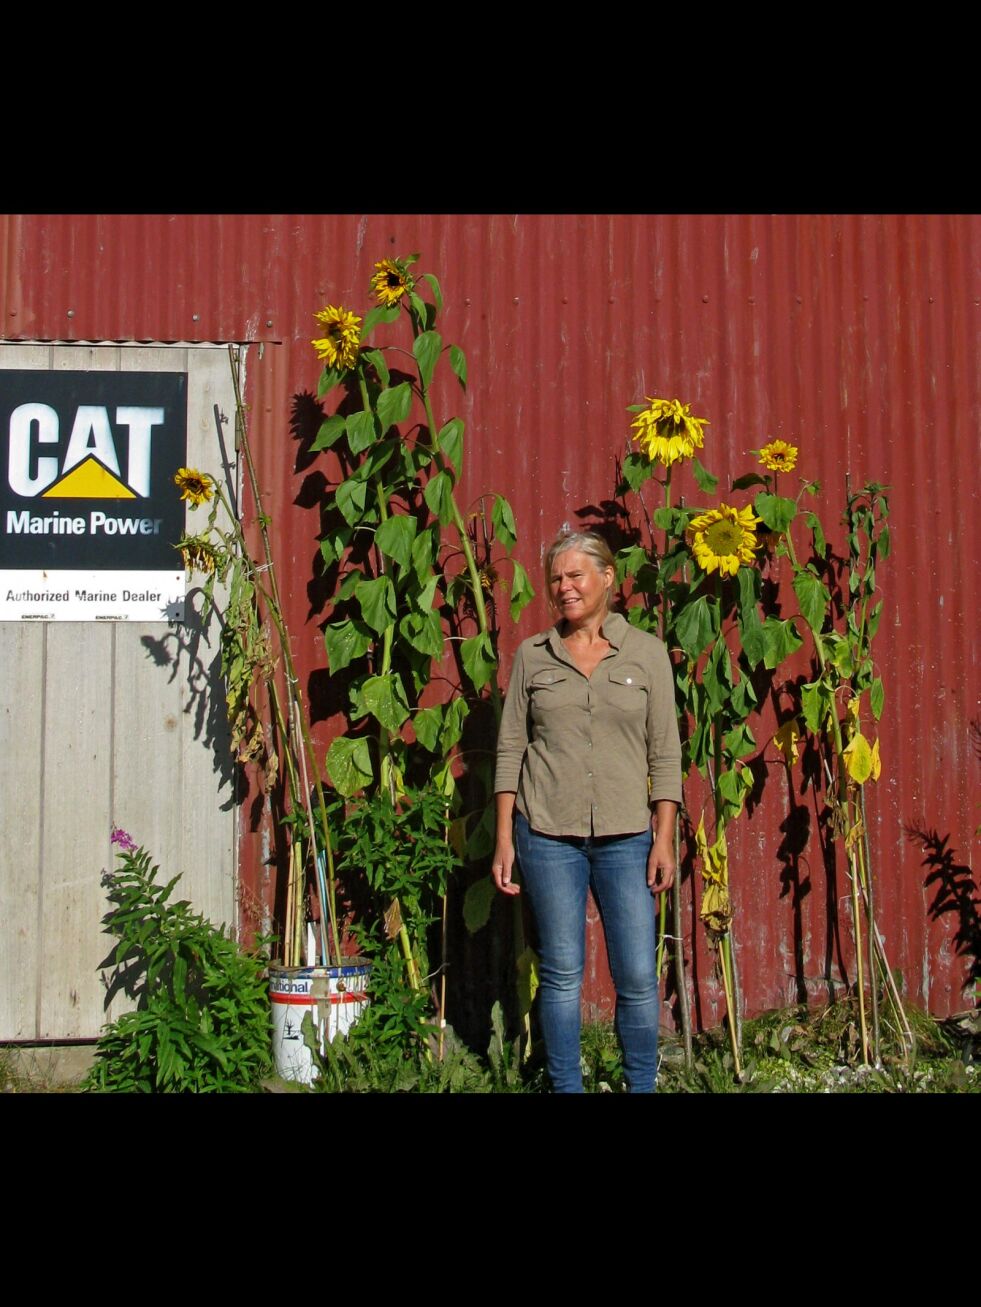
(586, 542)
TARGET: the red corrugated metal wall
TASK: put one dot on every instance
(855, 337)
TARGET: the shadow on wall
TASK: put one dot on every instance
(956, 891)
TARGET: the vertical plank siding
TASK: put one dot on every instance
(101, 723)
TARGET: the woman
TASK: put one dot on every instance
(588, 785)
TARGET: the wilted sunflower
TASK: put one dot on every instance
(339, 347)
(391, 281)
(198, 554)
(778, 456)
(723, 538)
(196, 487)
(667, 431)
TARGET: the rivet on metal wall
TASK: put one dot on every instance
(930, 298)
(195, 317)
(798, 299)
(705, 299)
(268, 322)
(70, 313)
(516, 299)
(752, 299)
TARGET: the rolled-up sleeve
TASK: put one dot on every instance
(663, 740)
(512, 739)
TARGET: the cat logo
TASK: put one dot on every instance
(90, 468)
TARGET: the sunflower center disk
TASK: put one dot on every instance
(724, 538)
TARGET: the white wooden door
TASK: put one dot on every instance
(104, 722)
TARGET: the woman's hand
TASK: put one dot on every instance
(661, 866)
(502, 866)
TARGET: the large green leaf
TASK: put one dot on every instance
(478, 659)
(734, 785)
(451, 443)
(438, 495)
(776, 512)
(635, 470)
(882, 545)
(502, 519)
(739, 742)
(425, 550)
(377, 600)
(345, 641)
(477, 903)
(427, 349)
(813, 597)
(457, 712)
(877, 696)
(427, 723)
(395, 536)
(458, 362)
(374, 316)
(480, 841)
(328, 380)
(747, 480)
(437, 292)
(817, 532)
(815, 702)
(350, 497)
(697, 626)
(780, 639)
(706, 481)
(349, 765)
(394, 405)
(377, 359)
(384, 697)
(329, 432)
(522, 591)
(424, 632)
(361, 431)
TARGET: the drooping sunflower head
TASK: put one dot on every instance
(667, 432)
(342, 335)
(196, 487)
(198, 554)
(391, 280)
(723, 539)
(778, 456)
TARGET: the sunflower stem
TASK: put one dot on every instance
(275, 608)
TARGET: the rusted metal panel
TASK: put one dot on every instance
(853, 336)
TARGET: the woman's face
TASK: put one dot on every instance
(578, 588)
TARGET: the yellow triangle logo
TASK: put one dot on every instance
(89, 480)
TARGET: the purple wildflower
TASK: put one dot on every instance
(125, 841)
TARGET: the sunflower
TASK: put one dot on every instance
(196, 487)
(723, 538)
(667, 431)
(339, 347)
(778, 456)
(198, 554)
(391, 281)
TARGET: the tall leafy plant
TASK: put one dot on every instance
(201, 1023)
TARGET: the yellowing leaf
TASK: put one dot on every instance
(876, 764)
(858, 759)
(716, 909)
(786, 741)
(852, 708)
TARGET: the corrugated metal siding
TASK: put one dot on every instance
(854, 336)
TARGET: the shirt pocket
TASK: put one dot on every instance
(548, 690)
(628, 689)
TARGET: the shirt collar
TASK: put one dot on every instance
(614, 628)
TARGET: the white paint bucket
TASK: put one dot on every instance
(335, 997)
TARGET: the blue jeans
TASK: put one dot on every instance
(557, 871)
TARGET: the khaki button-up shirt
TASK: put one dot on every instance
(590, 755)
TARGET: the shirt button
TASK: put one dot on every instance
(630, 680)
(590, 775)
